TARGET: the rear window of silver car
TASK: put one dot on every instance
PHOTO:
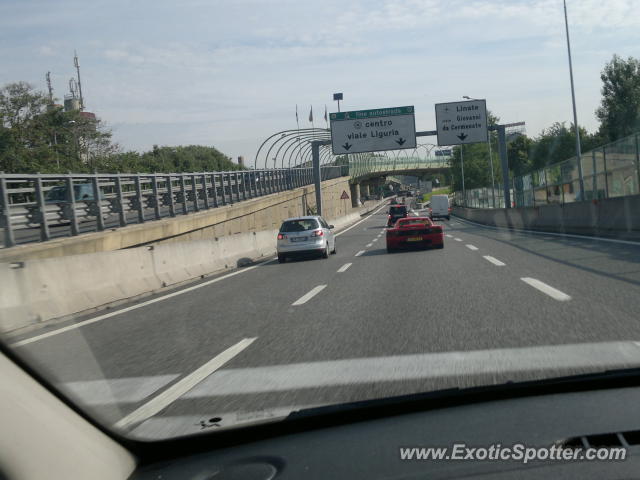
(301, 225)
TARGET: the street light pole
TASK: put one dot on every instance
(337, 97)
(573, 99)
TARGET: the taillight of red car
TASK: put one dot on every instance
(436, 229)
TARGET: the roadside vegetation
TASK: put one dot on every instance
(38, 136)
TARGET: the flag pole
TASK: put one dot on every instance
(298, 124)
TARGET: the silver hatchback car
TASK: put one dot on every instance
(303, 236)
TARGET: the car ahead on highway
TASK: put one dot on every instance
(439, 207)
(414, 232)
(60, 194)
(303, 236)
(396, 212)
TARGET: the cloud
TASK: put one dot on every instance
(234, 69)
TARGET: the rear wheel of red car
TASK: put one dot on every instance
(440, 246)
(390, 250)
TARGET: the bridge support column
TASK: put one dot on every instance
(355, 195)
(365, 189)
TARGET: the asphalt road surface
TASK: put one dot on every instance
(265, 340)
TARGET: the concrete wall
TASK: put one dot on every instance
(619, 217)
(35, 290)
(259, 214)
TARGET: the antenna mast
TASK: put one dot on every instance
(77, 65)
(50, 88)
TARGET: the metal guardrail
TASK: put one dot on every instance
(67, 202)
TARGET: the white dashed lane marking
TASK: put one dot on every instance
(547, 289)
(308, 296)
(494, 260)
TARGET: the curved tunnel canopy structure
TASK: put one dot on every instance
(292, 148)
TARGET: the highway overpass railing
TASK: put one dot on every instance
(609, 171)
(361, 165)
(38, 207)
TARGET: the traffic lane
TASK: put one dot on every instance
(604, 275)
(389, 311)
(177, 335)
(425, 301)
(351, 236)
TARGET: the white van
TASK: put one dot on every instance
(440, 207)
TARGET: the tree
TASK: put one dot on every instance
(619, 111)
(518, 154)
(477, 170)
(558, 143)
(38, 137)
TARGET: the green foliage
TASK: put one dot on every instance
(558, 143)
(619, 111)
(436, 191)
(192, 158)
(38, 137)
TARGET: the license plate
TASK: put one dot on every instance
(414, 239)
(298, 239)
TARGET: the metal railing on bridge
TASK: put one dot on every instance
(361, 165)
(40, 207)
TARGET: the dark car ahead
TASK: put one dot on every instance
(396, 212)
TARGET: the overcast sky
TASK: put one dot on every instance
(230, 73)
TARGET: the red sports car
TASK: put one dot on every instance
(414, 232)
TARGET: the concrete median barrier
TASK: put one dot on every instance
(36, 290)
(614, 217)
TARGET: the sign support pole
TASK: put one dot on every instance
(464, 192)
(317, 180)
(502, 147)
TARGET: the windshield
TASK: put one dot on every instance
(57, 193)
(397, 210)
(174, 296)
(301, 225)
(407, 222)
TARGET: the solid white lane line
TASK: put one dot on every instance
(112, 391)
(368, 244)
(369, 370)
(544, 288)
(458, 239)
(360, 221)
(135, 307)
(494, 260)
(359, 253)
(553, 234)
(344, 267)
(308, 296)
(471, 247)
(178, 389)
